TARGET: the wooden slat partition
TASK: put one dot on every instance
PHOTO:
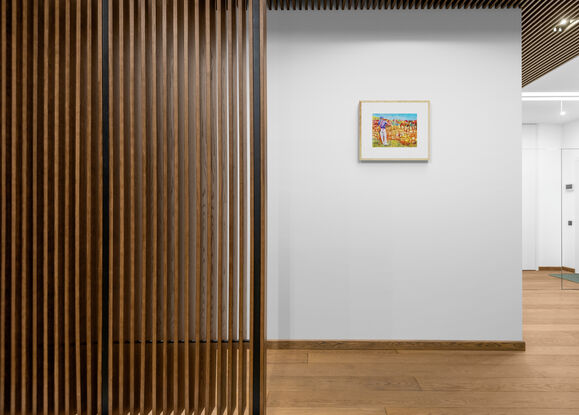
(180, 224)
(157, 316)
(50, 233)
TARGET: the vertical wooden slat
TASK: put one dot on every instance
(100, 345)
(67, 174)
(88, 219)
(56, 223)
(222, 154)
(24, 212)
(45, 242)
(233, 218)
(263, 219)
(77, 215)
(3, 241)
(242, 39)
(154, 204)
(186, 247)
(209, 225)
(252, 199)
(132, 207)
(231, 207)
(13, 204)
(176, 225)
(165, 214)
(198, 276)
(121, 226)
(144, 161)
(112, 175)
(34, 360)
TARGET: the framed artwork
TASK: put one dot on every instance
(394, 130)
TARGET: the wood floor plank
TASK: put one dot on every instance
(288, 356)
(378, 410)
(475, 411)
(543, 380)
(344, 383)
(570, 384)
(425, 399)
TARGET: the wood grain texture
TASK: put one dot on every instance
(35, 213)
(56, 191)
(176, 192)
(209, 211)
(45, 168)
(394, 345)
(89, 210)
(45, 209)
(13, 204)
(187, 198)
(242, 103)
(3, 197)
(233, 214)
(24, 264)
(154, 207)
(541, 380)
(132, 208)
(77, 217)
(198, 405)
(143, 121)
(177, 294)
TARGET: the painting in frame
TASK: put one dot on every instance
(394, 130)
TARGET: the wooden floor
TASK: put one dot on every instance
(544, 380)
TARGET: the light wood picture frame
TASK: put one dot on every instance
(394, 130)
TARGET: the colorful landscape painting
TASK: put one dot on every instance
(394, 130)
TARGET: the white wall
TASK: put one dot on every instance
(571, 135)
(530, 200)
(396, 250)
(550, 155)
(549, 141)
(542, 210)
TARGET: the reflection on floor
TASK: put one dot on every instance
(567, 276)
(544, 380)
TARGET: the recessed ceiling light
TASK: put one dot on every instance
(564, 25)
(562, 113)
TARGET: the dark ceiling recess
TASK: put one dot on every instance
(543, 48)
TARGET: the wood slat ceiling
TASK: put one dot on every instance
(542, 49)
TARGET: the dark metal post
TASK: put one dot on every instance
(256, 103)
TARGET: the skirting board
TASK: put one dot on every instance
(514, 346)
(568, 269)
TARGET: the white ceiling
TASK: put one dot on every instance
(563, 79)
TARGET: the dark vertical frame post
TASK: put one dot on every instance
(105, 223)
(257, 194)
